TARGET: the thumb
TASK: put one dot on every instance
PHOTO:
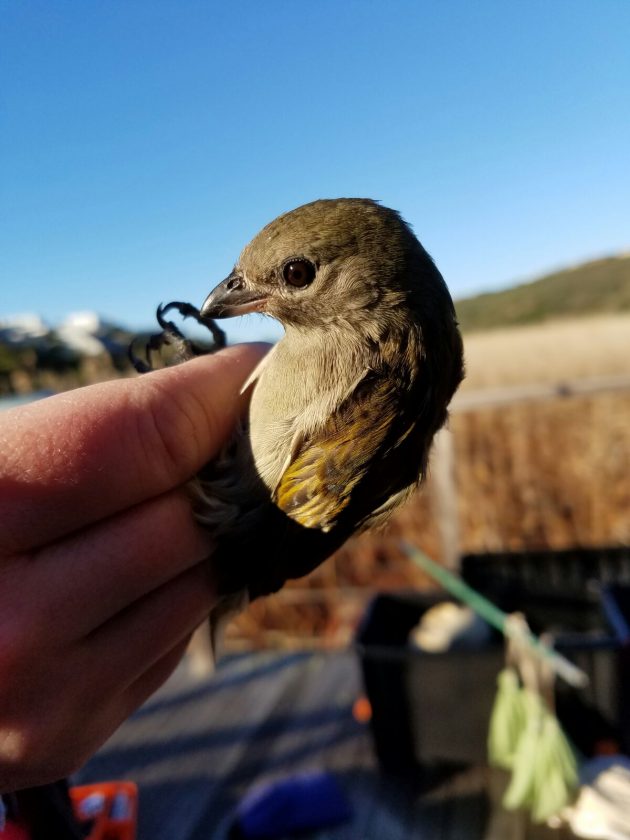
(73, 459)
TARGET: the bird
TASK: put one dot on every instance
(343, 408)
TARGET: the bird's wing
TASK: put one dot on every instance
(326, 468)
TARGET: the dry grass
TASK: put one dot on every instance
(548, 353)
(549, 473)
(553, 473)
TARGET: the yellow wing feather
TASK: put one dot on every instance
(318, 483)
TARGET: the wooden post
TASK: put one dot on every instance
(443, 494)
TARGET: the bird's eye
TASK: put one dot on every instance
(299, 273)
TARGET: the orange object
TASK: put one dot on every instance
(362, 710)
(112, 806)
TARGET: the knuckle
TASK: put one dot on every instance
(170, 432)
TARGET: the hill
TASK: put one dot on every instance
(594, 287)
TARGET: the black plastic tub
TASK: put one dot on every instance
(429, 708)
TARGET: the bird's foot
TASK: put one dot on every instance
(171, 346)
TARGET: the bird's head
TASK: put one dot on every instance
(344, 261)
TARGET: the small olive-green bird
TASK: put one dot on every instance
(345, 406)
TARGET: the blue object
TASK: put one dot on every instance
(616, 603)
(305, 802)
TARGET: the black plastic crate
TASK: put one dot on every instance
(425, 707)
(431, 708)
(571, 572)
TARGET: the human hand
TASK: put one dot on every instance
(102, 578)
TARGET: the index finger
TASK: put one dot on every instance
(73, 459)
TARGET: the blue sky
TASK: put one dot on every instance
(143, 142)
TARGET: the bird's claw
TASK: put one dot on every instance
(171, 336)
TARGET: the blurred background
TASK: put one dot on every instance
(143, 144)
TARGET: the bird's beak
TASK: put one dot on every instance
(232, 297)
